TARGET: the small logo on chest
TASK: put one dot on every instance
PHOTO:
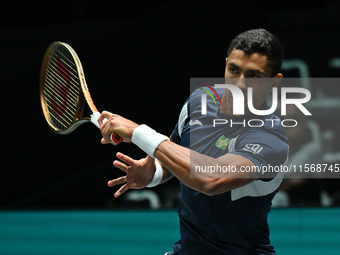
(253, 147)
(222, 142)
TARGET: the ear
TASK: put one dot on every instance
(277, 79)
(225, 70)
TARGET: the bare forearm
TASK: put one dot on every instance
(178, 160)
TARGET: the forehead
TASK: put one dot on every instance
(254, 61)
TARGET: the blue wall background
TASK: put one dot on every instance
(293, 232)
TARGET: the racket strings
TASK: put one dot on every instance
(61, 89)
(58, 101)
(52, 77)
(67, 118)
(72, 68)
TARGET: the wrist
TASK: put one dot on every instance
(147, 139)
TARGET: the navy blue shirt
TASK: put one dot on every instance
(234, 222)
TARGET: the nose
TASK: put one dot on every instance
(241, 83)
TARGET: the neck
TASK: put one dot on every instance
(225, 108)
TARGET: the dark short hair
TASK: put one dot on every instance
(259, 41)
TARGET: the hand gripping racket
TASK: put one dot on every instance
(63, 91)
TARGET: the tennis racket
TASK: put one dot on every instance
(64, 92)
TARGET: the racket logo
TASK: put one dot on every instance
(62, 87)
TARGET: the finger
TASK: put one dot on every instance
(121, 191)
(101, 119)
(121, 166)
(103, 127)
(107, 131)
(104, 114)
(125, 158)
(116, 181)
(103, 141)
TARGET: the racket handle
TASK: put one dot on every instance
(115, 138)
(94, 118)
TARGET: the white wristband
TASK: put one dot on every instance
(147, 139)
(157, 177)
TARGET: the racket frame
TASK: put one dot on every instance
(84, 94)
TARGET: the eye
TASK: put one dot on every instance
(232, 69)
(255, 75)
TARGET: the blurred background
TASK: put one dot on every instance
(138, 58)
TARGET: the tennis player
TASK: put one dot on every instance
(224, 213)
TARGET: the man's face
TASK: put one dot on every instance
(245, 71)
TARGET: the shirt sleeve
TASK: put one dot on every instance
(175, 137)
(262, 148)
(183, 118)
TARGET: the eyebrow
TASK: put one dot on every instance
(253, 71)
